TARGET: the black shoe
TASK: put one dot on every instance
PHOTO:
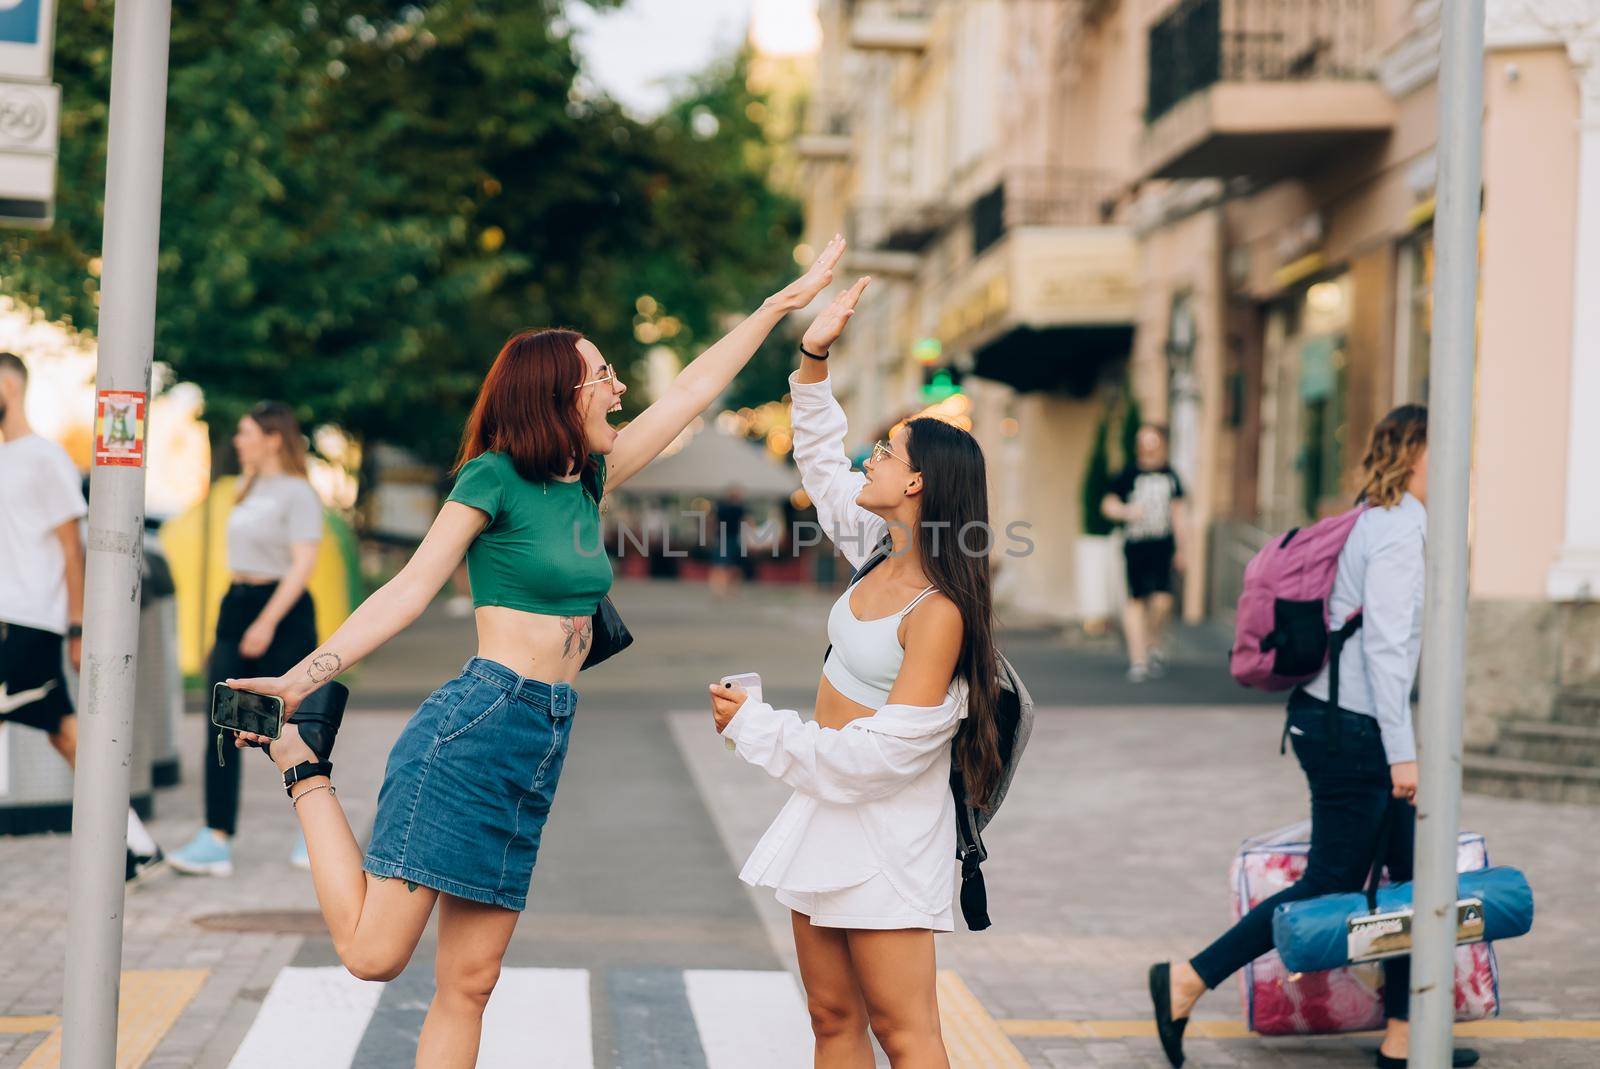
(318, 719)
(1169, 1030)
(142, 865)
(1462, 1058)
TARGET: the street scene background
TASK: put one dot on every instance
(1080, 216)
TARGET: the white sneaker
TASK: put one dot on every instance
(1138, 673)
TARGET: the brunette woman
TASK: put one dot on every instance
(267, 621)
(863, 854)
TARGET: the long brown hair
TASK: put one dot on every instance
(277, 419)
(528, 407)
(1392, 451)
(953, 539)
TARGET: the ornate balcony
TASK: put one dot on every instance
(1259, 87)
(827, 130)
(891, 25)
(1050, 293)
(888, 235)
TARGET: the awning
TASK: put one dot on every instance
(1053, 358)
(712, 463)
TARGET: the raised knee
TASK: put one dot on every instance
(365, 965)
(830, 1018)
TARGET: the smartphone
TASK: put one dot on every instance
(751, 682)
(244, 710)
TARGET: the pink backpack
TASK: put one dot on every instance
(1280, 634)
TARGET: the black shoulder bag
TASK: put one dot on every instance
(609, 636)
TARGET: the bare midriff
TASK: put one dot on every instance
(546, 648)
(834, 710)
(251, 579)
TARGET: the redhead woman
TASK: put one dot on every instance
(472, 776)
(863, 854)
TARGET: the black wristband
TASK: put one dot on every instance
(813, 356)
(74, 630)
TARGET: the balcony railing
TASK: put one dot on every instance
(890, 25)
(1041, 196)
(898, 225)
(827, 128)
(1202, 42)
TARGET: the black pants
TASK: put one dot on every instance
(1350, 803)
(295, 637)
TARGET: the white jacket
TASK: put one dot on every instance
(872, 797)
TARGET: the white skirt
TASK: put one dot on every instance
(872, 904)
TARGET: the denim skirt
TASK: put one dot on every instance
(469, 785)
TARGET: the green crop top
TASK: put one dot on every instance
(541, 551)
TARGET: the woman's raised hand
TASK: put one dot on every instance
(827, 327)
(803, 290)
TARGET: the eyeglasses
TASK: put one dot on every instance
(881, 449)
(609, 376)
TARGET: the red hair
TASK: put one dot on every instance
(528, 407)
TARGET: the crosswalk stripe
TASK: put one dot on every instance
(319, 1013)
(538, 1017)
(749, 1018)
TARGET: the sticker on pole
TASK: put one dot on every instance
(119, 426)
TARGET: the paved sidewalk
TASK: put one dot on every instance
(1111, 853)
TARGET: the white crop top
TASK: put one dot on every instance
(866, 654)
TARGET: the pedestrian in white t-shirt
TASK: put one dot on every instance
(41, 586)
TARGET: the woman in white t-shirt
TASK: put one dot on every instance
(267, 622)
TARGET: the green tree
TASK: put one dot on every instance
(1097, 480)
(363, 199)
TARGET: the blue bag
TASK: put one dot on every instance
(1335, 930)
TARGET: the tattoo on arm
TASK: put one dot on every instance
(579, 631)
(324, 666)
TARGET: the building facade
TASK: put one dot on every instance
(1225, 207)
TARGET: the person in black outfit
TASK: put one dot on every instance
(1147, 499)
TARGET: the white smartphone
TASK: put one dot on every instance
(751, 682)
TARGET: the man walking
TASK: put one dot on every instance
(1147, 498)
(41, 586)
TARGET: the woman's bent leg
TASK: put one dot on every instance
(838, 1013)
(898, 980)
(375, 922)
(472, 942)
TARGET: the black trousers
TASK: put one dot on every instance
(295, 638)
(1350, 803)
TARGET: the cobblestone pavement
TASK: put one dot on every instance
(1111, 853)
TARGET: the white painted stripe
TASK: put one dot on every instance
(538, 1017)
(749, 1018)
(311, 1019)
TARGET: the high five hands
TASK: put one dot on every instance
(827, 327)
(803, 290)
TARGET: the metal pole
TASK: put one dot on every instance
(1454, 350)
(116, 535)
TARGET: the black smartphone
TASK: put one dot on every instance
(245, 710)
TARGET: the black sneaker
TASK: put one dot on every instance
(142, 865)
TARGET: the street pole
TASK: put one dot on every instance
(1454, 350)
(116, 532)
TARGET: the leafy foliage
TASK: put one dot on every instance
(362, 199)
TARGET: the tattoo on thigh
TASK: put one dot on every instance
(410, 884)
(579, 632)
(324, 666)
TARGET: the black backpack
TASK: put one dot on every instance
(1015, 715)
